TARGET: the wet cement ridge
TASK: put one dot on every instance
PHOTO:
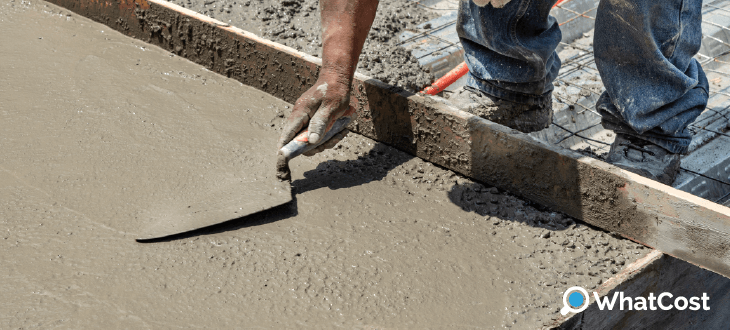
(676, 223)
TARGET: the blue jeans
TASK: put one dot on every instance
(643, 51)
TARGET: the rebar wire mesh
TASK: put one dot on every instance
(581, 84)
(714, 57)
(430, 32)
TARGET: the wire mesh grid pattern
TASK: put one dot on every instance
(578, 84)
(714, 59)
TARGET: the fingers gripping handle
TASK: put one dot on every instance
(300, 144)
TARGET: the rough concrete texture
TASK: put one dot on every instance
(374, 236)
(296, 23)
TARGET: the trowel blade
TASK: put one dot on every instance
(221, 204)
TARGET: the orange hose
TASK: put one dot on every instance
(448, 79)
(459, 71)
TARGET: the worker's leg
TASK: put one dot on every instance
(511, 56)
(510, 51)
(654, 87)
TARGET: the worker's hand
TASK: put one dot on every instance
(322, 104)
(345, 25)
(331, 143)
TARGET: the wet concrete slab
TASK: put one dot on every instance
(374, 236)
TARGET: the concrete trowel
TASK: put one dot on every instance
(236, 199)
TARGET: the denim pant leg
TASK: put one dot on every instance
(510, 51)
(643, 51)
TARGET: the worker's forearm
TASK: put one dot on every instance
(345, 26)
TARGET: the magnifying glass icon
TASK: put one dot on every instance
(575, 300)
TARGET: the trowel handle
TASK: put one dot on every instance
(300, 144)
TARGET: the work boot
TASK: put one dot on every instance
(522, 117)
(644, 158)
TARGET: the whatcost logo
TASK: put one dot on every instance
(575, 300)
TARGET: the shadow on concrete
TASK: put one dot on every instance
(334, 174)
(385, 118)
(490, 201)
(280, 212)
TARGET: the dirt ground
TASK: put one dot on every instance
(98, 129)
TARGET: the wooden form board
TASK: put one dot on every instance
(654, 273)
(656, 215)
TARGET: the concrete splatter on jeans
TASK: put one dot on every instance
(495, 3)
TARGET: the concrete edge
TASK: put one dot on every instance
(653, 214)
(573, 321)
(661, 273)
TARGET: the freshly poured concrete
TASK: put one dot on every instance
(99, 131)
(296, 24)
